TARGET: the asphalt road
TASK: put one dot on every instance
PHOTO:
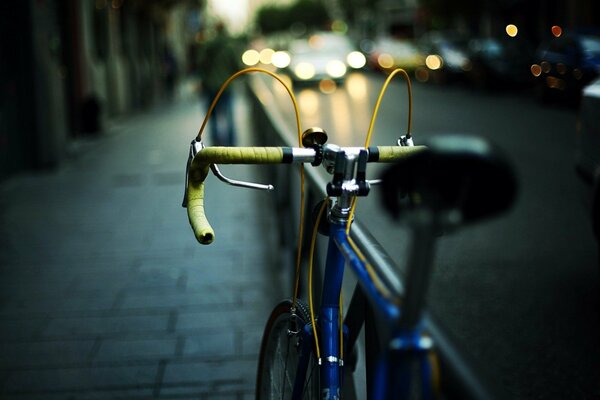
(520, 292)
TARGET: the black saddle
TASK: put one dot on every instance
(455, 173)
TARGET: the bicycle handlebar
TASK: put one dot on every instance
(200, 164)
(198, 170)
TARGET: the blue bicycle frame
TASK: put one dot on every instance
(406, 346)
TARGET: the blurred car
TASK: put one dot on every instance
(323, 56)
(446, 56)
(587, 159)
(564, 65)
(389, 53)
(500, 62)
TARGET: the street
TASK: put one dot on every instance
(109, 295)
(519, 292)
(106, 293)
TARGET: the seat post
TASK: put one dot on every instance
(424, 225)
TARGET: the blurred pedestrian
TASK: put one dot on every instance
(218, 61)
(169, 70)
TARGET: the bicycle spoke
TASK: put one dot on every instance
(285, 377)
(281, 357)
(308, 381)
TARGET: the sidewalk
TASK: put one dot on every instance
(104, 292)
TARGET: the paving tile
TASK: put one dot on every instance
(154, 277)
(24, 303)
(118, 350)
(226, 272)
(261, 292)
(217, 344)
(100, 280)
(251, 338)
(237, 317)
(183, 392)
(231, 390)
(209, 295)
(133, 377)
(124, 394)
(20, 329)
(211, 372)
(50, 352)
(106, 326)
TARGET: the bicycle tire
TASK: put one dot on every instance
(279, 354)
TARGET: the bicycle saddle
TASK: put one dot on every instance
(455, 173)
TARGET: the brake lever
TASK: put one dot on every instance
(248, 185)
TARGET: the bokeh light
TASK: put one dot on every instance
(266, 55)
(315, 42)
(357, 86)
(356, 59)
(327, 86)
(556, 30)
(385, 61)
(512, 30)
(304, 70)
(433, 62)
(339, 26)
(308, 101)
(281, 59)
(250, 57)
(336, 68)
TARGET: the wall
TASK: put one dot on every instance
(70, 66)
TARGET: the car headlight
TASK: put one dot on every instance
(281, 59)
(266, 55)
(251, 57)
(304, 70)
(356, 59)
(335, 68)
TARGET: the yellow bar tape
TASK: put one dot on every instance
(199, 170)
(239, 155)
(393, 153)
(195, 205)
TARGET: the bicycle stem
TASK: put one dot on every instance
(348, 167)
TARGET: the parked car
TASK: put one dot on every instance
(500, 62)
(446, 55)
(323, 55)
(564, 65)
(587, 160)
(390, 53)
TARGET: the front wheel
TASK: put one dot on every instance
(280, 353)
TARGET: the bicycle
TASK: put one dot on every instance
(305, 352)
